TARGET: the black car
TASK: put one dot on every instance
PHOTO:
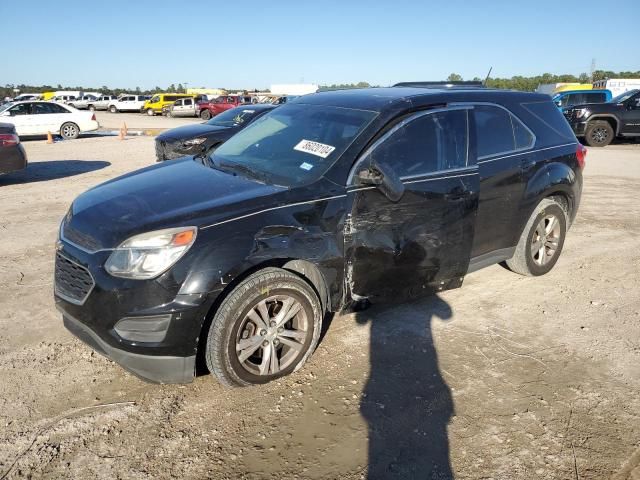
(335, 198)
(601, 123)
(12, 154)
(195, 139)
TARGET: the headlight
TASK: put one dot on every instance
(148, 255)
(193, 142)
(582, 112)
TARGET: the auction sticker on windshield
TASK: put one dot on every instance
(314, 148)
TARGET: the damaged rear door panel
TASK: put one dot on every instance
(421, 242)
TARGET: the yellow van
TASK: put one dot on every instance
(159, 100)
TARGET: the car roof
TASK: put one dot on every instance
(389, 98)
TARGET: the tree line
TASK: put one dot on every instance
(517, 82)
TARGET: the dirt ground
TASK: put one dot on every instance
(505, 378)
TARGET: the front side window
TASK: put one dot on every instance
(429, 143)
(188, 101)
(292, 145)
(594, 97)
(20, 109)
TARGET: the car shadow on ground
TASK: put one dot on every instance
(51, 170)
(406, 402)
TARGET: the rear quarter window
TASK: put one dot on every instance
(548, 123)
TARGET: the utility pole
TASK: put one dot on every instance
(593, 68)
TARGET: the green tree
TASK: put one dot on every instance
(454, 77)
(180, 88)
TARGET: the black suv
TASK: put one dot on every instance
(600, 123)
(331, 199)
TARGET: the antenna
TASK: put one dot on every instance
(487, 77)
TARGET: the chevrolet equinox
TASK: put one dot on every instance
(332, 199)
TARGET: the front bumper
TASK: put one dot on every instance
(93, 303)
(158, 369)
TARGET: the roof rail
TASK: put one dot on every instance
(441, 84)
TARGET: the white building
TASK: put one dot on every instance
(617, 86)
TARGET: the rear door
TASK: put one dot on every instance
(421, 243)
(500, 162)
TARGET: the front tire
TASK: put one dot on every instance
(266, 328)
(599, 133)
(541, 241)
(92, 108)
(113, 109)
(150, 112)
(205, 115)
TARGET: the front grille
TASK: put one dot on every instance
(72, 281)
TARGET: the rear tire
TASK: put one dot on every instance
(542, 239)
(69, 131)
(205, 115)
(249, 343)
(599, 133)
(92, 108)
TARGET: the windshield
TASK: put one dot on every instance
(5, 106)
(233, 117)
(155, 99)
(293, 144)
(624, 96)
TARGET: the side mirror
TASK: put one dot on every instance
(384, 178)
(559, 103)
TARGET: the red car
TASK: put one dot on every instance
(221, 104)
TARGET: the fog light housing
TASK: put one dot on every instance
(151, 329)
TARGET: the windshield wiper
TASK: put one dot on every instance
(243, 169)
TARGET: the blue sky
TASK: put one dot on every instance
(207, 43)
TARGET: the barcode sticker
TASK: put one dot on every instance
(314, 148)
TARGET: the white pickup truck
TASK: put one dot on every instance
(128, 103)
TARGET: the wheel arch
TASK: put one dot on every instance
(305, 269)
(554, 180)
(611, 119)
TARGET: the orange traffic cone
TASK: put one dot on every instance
(49, 137)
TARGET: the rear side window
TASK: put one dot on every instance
(594, 97)
(427, 144)
(494, 132)
(499, 132)
(549, 115)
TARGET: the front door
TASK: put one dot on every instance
(421, 243)
(631, 116)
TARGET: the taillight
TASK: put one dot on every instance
(8, 140)
(581, 154)
(93, 117)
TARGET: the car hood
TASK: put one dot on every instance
(178, 193)
(191, 131)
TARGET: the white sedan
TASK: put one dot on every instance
(39, 118)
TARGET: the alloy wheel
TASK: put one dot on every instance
(599, 135)
(546, 239)
(272, 336)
